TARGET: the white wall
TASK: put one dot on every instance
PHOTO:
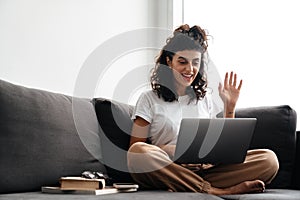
(44, 43)
(259, 39)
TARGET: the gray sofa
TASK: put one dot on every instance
(45, 135)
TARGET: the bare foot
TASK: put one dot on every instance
(256, 186)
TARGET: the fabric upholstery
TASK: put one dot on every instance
(44, 136)
(140, 195)
(115, 128)
(270, 194)
(275, 130)
(296, 175)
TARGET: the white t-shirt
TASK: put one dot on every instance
(165, 117)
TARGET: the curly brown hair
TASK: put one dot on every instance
(162, 79)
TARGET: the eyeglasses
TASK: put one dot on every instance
(94, 175)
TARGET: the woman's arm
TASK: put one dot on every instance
(140, 130)
(139, 133)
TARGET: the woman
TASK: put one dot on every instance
(179, 87)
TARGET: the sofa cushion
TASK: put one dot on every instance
(140, 195)
(115, 128)
(275, 130)
(44, 136)
(274, 194)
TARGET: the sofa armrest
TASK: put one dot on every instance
(296, 177)
(275, 130)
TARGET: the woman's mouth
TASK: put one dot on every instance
(188, 77)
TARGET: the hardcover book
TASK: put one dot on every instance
(74, 183)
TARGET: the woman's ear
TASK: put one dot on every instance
(169, 62)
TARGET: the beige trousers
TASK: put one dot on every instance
(152, 168)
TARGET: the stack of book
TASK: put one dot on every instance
(79, 185)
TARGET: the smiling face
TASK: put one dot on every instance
(185, 65)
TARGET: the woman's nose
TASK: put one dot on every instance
(189, 66)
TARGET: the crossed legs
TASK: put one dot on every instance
(152, 168)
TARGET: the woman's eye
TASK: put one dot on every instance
(196, 62)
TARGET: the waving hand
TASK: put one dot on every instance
(229, 93)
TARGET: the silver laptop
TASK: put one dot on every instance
(214, 141)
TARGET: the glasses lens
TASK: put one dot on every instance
(88, 174)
